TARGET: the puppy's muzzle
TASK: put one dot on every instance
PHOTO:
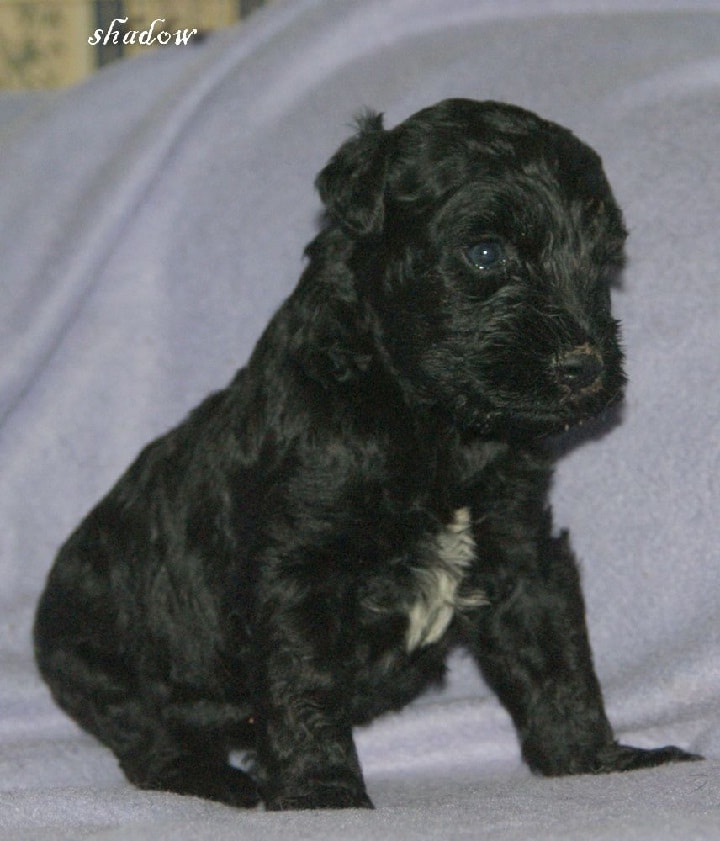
(579, 370)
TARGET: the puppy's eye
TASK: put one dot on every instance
(487, 254)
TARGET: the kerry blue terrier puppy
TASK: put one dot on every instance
(301, 553)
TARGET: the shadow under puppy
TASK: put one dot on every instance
(299, 555)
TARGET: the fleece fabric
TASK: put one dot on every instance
(152, 219)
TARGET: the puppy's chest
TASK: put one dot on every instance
(435, 584)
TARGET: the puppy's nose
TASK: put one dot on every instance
(578, 369)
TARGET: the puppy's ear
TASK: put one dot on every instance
(352, 185)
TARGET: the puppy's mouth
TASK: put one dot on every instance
(580, 420)
(594, 402)
(536, 420)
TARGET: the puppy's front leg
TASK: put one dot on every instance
(532, 646)
(306, 755)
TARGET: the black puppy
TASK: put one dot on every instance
(301, 553)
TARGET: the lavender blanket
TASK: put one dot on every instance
(152, 219)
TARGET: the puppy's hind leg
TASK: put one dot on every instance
(160, 746)
(190, 764)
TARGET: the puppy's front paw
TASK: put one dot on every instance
(328, 793)
(625, 758)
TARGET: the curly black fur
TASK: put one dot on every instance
(299, 555)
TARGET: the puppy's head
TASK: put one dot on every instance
(486, 239)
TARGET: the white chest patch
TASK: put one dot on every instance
(451, 553)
